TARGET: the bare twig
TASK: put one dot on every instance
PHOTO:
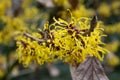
(32, 37)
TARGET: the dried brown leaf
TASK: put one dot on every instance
(93, 24)
(90, 69)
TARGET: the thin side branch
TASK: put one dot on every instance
(32, 37)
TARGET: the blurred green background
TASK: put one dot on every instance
(22, 15)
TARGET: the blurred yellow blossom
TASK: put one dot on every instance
(104, 10)
(62, 3)
(2, 65)
(30, 13)
(1, 73)
(15, 25)
(11, 28)
(26, 3)
(81, 11)
(4, 5)
(111, 29)
(116, 7)
(112, 59)
(113, 46)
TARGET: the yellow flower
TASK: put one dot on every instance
(70, 42)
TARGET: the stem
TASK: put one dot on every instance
(32, 37)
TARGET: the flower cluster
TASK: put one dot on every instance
(70, 41)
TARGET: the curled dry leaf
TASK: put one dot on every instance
(93, 24)
(91, 69)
